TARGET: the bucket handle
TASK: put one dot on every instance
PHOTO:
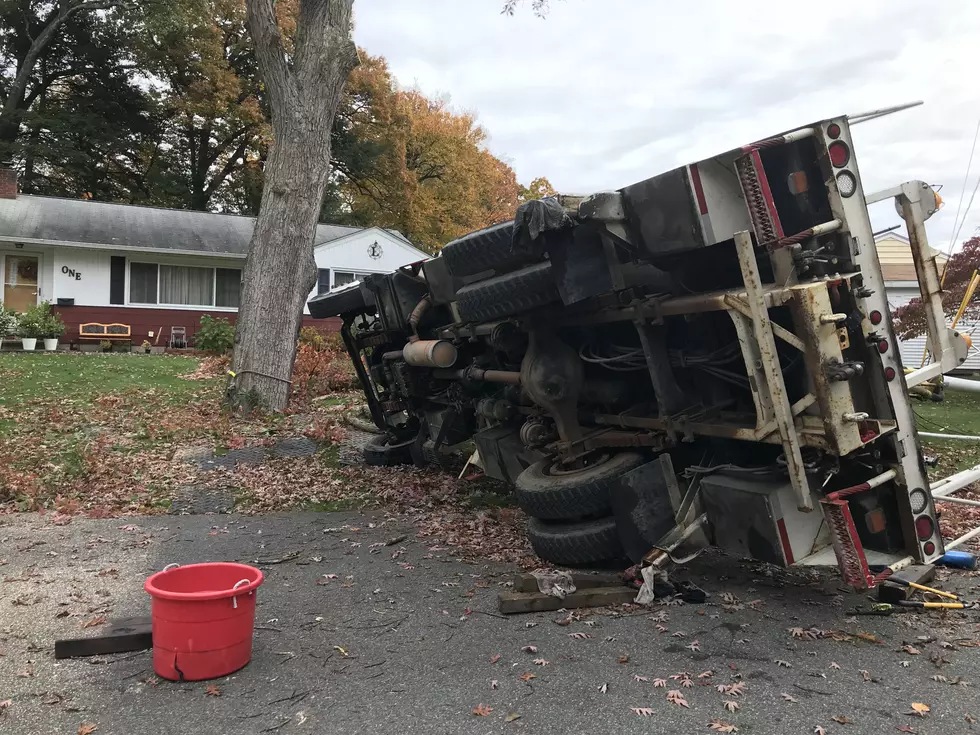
(170, 566)
(239, 583)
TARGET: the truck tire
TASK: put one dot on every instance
(575, 544)
(508, 294)
(558, 496)
(484, 250)
(379, 452)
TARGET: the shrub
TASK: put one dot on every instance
(317, 372)
(311, 336)
(215, 335)
(8, 322)
(33, 322)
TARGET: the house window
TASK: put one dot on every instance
(322, 280)
(182, 285)
(227, 287)
(344, 278)
(186, 285)
(143, 283)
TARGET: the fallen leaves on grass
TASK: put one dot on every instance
(482, 710)
(212, 690)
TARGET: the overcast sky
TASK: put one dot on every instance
(604, 93)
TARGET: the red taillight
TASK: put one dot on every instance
(833, 131)
(840, 154)
(924, 527)
(889, 374)
(929, 547)
(883, 346)
(875, 317)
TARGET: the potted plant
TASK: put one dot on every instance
(8, 323)
(147, 347)
(54, 327)
(31, 327)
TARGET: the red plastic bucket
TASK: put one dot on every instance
(203, 619)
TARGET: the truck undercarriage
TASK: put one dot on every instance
(704, 356)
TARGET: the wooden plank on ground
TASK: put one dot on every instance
(527, 582)
(119, 636)
(525, 602)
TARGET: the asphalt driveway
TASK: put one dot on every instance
(355, 636)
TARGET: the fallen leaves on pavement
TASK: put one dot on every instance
(920, 709)
(212, 690)
(731, 705)
(511, 717)
(674, 696)
(482, 710)
(87, 728)
(842, 719)
(721, 726)
(642, 711)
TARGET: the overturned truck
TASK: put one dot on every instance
(705, 355)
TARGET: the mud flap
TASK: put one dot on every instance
(642, 508)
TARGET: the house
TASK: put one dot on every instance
(152, 268)
(902, 285)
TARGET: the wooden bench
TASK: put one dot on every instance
(97, 331)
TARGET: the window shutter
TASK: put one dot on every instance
(117, 280)
(322, 280)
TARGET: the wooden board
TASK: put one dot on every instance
(525, 602)
(119, 636)
(527, 582)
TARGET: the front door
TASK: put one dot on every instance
(20, 282)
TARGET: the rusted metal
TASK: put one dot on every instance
(762, 327)
(822, 229)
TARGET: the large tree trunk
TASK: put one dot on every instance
(280, 270)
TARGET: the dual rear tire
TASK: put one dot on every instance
(571, 511)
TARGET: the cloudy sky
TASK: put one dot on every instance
(604, 93)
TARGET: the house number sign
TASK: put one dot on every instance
(71, 272)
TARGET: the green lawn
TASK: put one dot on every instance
(959, 413)
(82, 377)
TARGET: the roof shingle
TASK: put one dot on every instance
(81, 222)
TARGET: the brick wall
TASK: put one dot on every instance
(159, 321)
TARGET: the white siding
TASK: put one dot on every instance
(912, 349)
(82, 275)
(353, 254)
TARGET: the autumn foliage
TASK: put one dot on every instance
(415, 165)
(910, 320)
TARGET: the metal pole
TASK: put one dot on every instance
(949, 485)
(963, 437)
(961, 501)
(963, 539)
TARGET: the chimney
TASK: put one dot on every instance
(8, 181)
